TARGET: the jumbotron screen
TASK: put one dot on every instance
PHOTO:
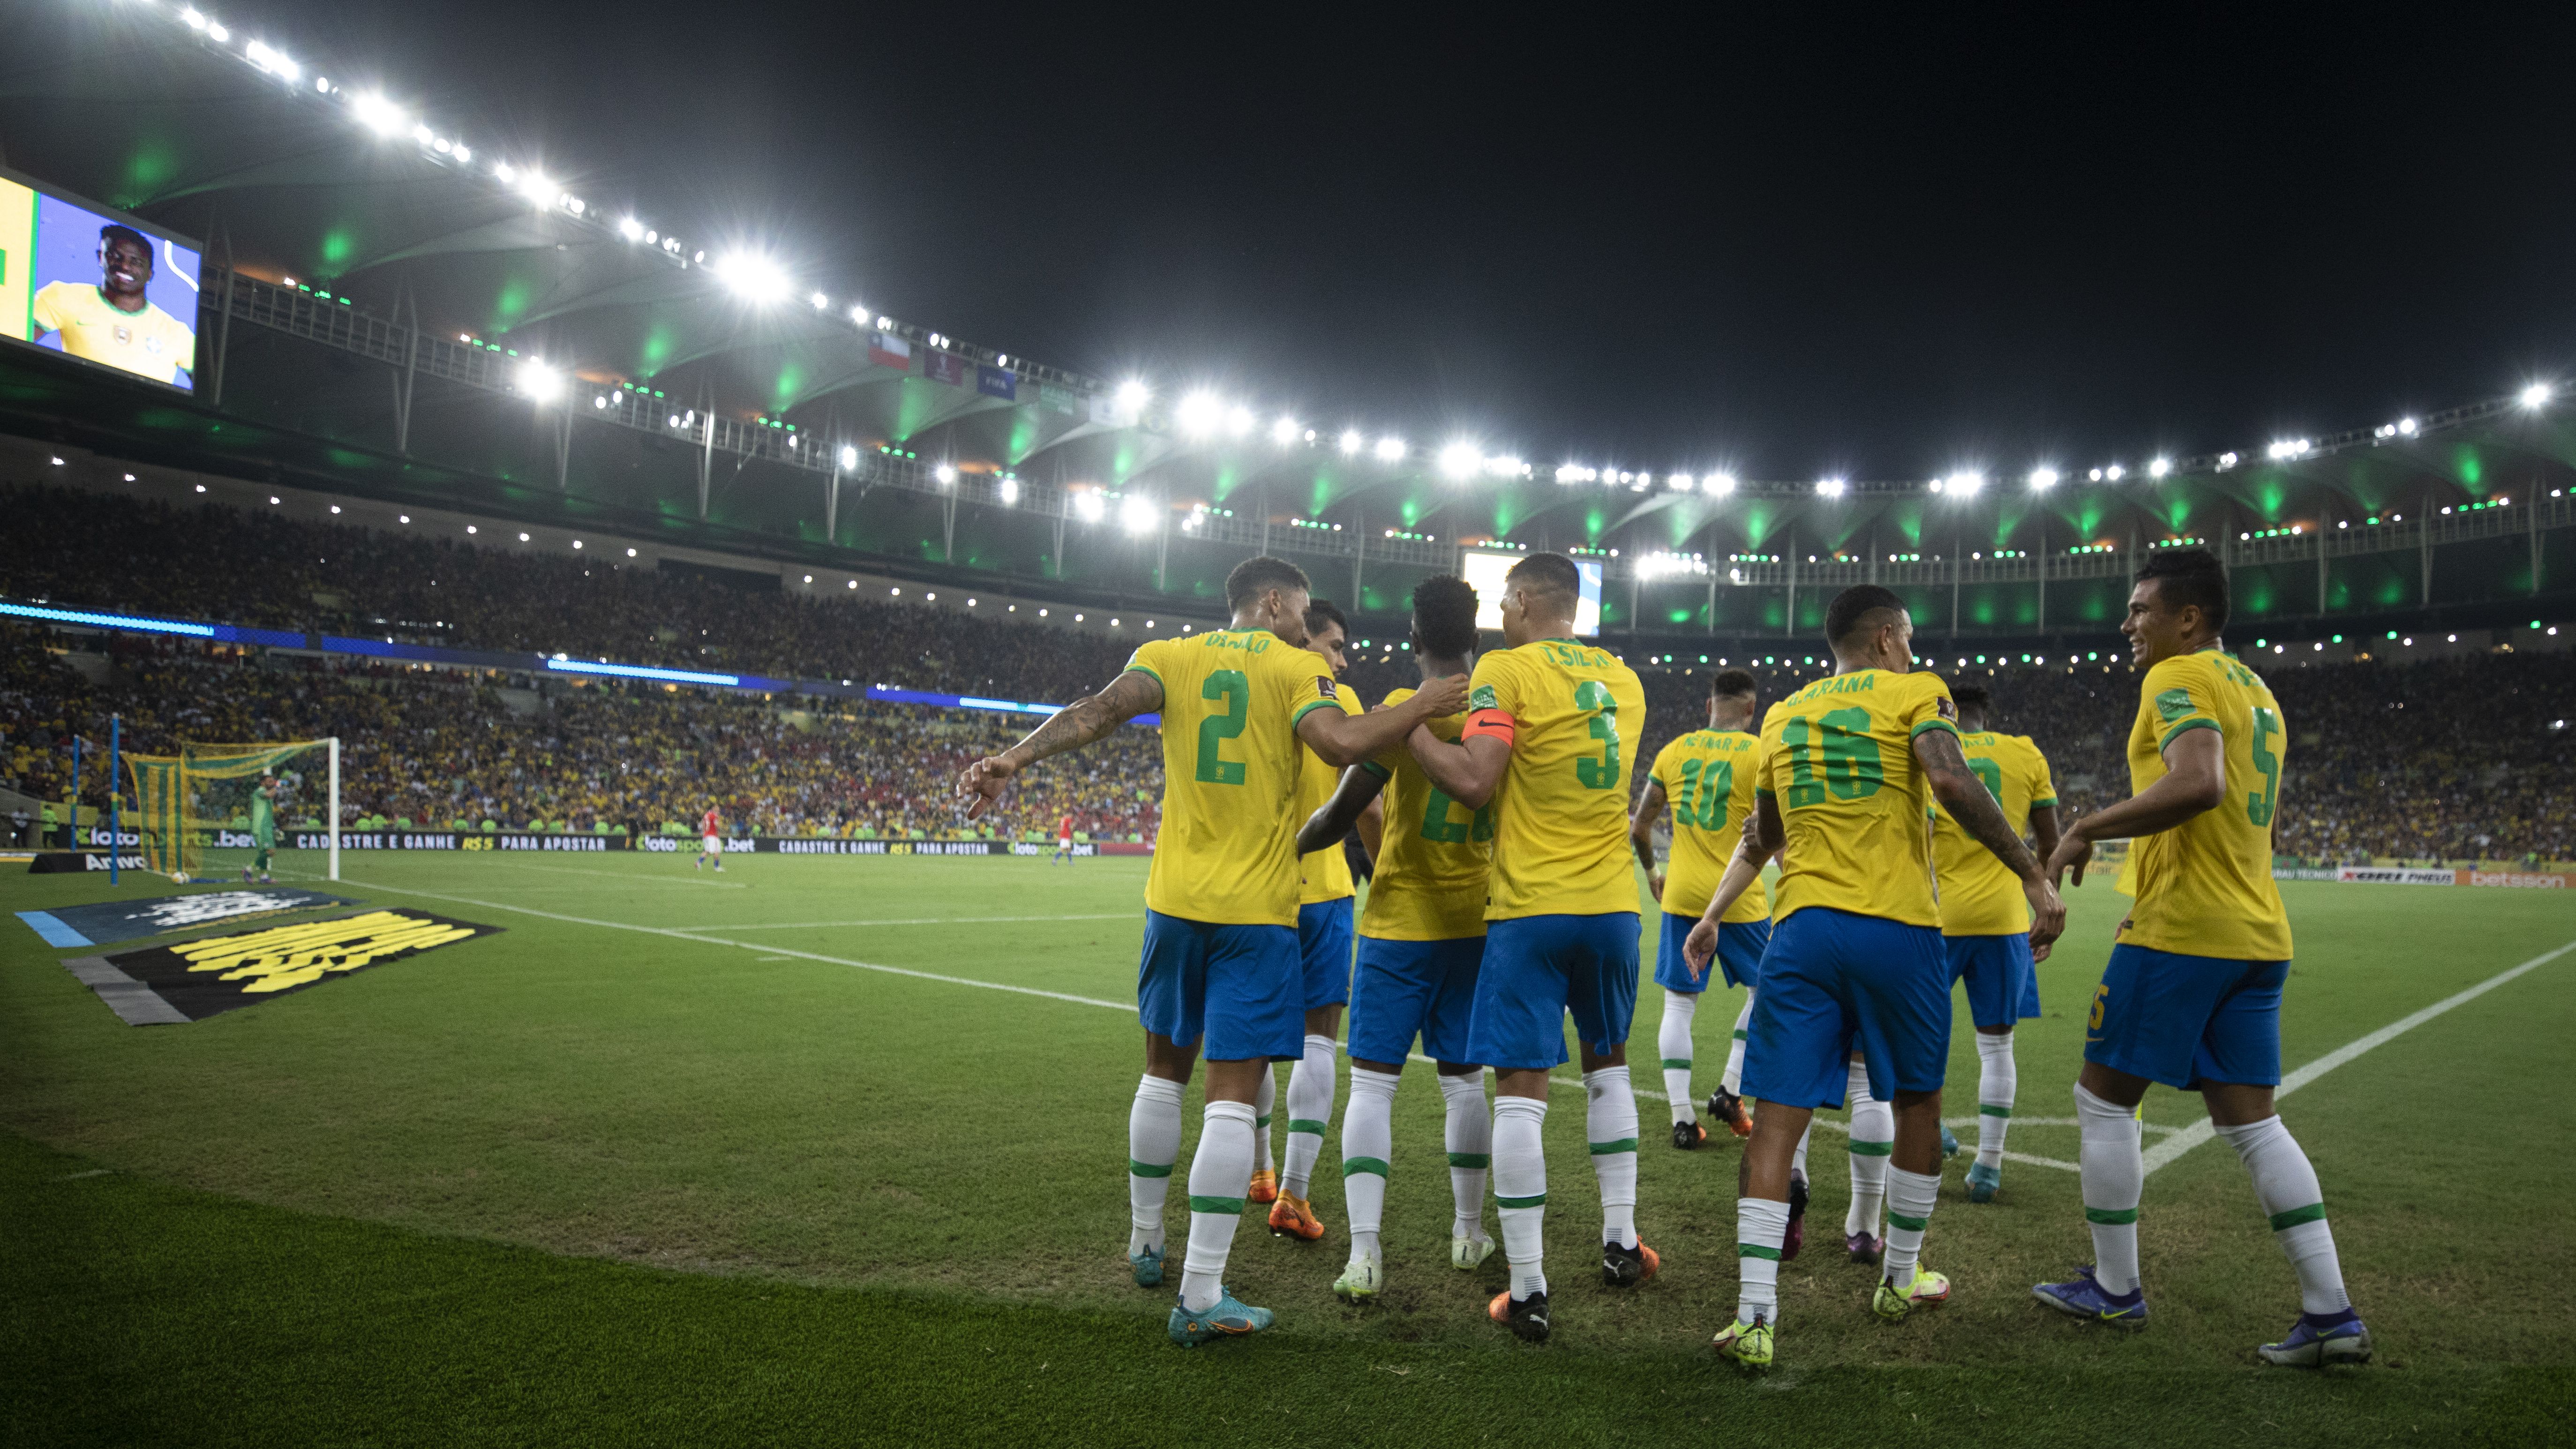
(1485, 570)
(96, 284)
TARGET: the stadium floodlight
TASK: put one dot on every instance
(629, 228)
(2043, 479)
(1461, 459)
(2160, 467)
(1238, 421)
(540, 382)
(1829, 488)
(1132, 395)
(194, 20)
(1199, 413)
(1569, 472)
(1284, 431)
(750, 276)
(272, 61)
(1964, 485)
(1390, 449)
(821, 302)
(2115, 472)
(1088, 507)
(1136, 515)
(1010, 490)
(2536, 396)
(859, 314)
(2406, 427)
(1680, 482)
(537, 188)
(382, 116)
(849, 458)
(946, 473)
(1719, 484)
(1352, 442)
(2227, 460)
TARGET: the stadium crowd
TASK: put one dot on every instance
(2385, 760)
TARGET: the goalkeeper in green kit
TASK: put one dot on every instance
(263, 826)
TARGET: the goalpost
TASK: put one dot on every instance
(242, 795)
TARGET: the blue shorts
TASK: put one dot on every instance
(1833, 981)
(2183, 1020)
(1739, 953)
(1408, 987)
(1324, 951)
(1538, 968)
(1237, 985)
(2003, 987)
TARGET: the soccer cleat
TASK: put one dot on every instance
(1749, 1344)
(1982, 1182)
(1796, 1237)
(1864, 1248)
(1726, 1107)
(1292, 1217)
(266, 879)
(1525, 1317)
(1225, 1318)
(2083, 1296)
(245, 875)
(1265, 1186)
(1148, 1266)
(1360, 1280)
(1628, 1267)
(1689, 1135)
(1929, 1287)
(1949, 1144)
(1466, 1253)
(2318, 1339)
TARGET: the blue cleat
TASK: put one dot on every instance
(1149, 1267)
(2318, 1339)
(1225, 1318)
(2084, 1297)
(1982, 1182)
(1949, 1144)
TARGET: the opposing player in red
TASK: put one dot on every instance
(711, 841)
(1063, 842)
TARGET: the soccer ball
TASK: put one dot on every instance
(178, 877)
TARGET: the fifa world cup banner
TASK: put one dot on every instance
(99, 286)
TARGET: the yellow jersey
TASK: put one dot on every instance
(1838, 756)
(2205, 887)
(1432, 855)
(150, 343)
(1561, 808)
(1707, 777)
(1978, 896)
(1326, 874)
(1227, 852)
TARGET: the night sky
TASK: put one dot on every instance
(1883, 244)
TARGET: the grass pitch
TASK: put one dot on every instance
(754, 1158)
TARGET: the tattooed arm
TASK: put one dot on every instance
(1966, 798)
(1085, 721)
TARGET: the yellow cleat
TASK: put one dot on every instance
(1265, 1186)
(1291, 1217)
(1929, 1287)
(1749, 1344)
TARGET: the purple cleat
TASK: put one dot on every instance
(1864, 1248)
(2084, 1297)
(2318, 1339)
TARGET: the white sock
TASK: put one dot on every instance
(1153, 1145)
(1761, 1226)
(2114, 1173)
(1520, 1188)
(1997, 1082)
(1470, 1139)
(1673, 1039)
(1310, 1111)
(2285, 1183)
(1910, 1199)
(1734, 1079)
(1220, 1174)
(1610, 1125)
(1264, 1097)
(1368, 1136)
(1873, 1137)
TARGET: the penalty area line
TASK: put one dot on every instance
(2166, 1152)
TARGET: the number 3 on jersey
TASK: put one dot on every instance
(1231, 686)
(1592, 697)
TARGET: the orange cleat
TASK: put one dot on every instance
(1728, 1108)
(1290, 1217)
(1265, 1186)
(1628, 1267)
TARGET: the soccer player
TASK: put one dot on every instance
(114, 322)
(1324, 952)
(1219, 967)
(1707, 776)
(263, 826)
(1546, 746)
(1063, 842)
(711, 841)
(1849, 765)
(1985, 924)
(2192, 994)
(1420, 941)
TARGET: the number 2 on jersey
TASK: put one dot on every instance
(1231, 686)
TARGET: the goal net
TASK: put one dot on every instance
(225, 805)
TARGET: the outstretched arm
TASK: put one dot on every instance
(1641, 831)
(1088, 719)
(2195, 781)
(1752, 852)
(1346, 739)
(1969, 803)
(1335, 817)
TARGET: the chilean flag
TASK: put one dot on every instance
(887, 350)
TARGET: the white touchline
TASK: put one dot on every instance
(2165, 1152)
(632, 878)
(916, 921)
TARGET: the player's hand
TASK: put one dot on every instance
(1655, 878)
(1442, 697)
(1700, 947)
(2073, 852)
(2047, 915)
(984, 781)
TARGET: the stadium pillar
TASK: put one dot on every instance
(1789, 613)
(1059, 541)
(411, 369)
(223, 321)
(1359, 557)
(706, 451)
(2531, 516)
(832, 501)
(948, 529)
(1955, 567)
(2324, 517)
(2041, 574)
(335, 807)
(563, 449)
(1163, 553)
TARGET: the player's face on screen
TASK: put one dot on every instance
(1331, 642)
(125, 268)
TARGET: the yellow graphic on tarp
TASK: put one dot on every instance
(289, 956)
